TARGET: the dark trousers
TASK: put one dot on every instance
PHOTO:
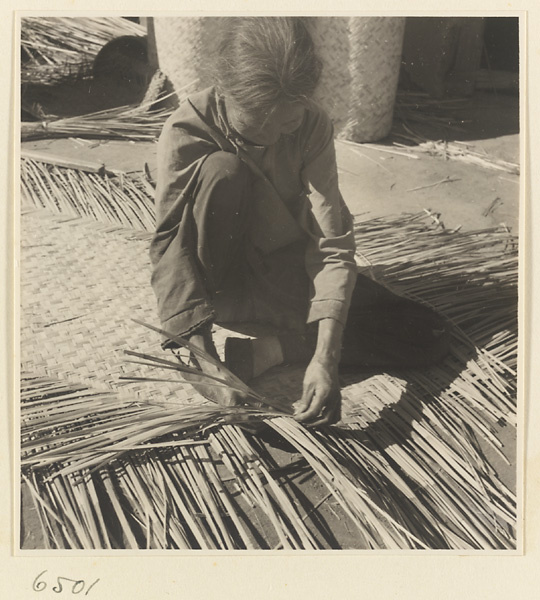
(382, 330)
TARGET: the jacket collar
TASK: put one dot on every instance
(211, 109)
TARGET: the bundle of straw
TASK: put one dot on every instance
(54, 48)
(135, 122)
(33, 73)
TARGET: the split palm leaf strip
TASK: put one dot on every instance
(417, 116)
(121, 199)
(99, 483)
(407, 470)
(56, 48)
(454, 151)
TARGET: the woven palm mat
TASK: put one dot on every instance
(82, 283)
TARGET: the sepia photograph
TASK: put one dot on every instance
(269, 283)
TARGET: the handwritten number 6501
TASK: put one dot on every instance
(77, 585)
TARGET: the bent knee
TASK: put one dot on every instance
(225, 167)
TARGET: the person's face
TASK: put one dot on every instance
(266, 130)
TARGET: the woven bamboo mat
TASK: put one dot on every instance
(82, 284)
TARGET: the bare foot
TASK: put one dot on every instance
(212, 389)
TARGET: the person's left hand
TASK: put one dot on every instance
(321, 398)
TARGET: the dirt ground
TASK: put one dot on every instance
(375, 182)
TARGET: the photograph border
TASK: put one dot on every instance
(349, 557)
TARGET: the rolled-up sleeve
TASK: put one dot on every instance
(326, 219)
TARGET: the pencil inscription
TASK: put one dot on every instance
(63, 584)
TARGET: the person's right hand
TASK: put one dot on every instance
(321, 398)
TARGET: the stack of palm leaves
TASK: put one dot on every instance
(56, 48)
(186, 490)
(405, 471)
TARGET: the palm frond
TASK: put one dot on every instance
(124, 200)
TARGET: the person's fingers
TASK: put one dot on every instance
(305, 401)
(330, 414)
(314, 409)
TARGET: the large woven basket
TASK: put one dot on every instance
(184, 46)
(361, 58)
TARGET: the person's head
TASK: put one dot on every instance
(266, 69)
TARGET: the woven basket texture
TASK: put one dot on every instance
(184, 46)
(361, 59)
(374, 65)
